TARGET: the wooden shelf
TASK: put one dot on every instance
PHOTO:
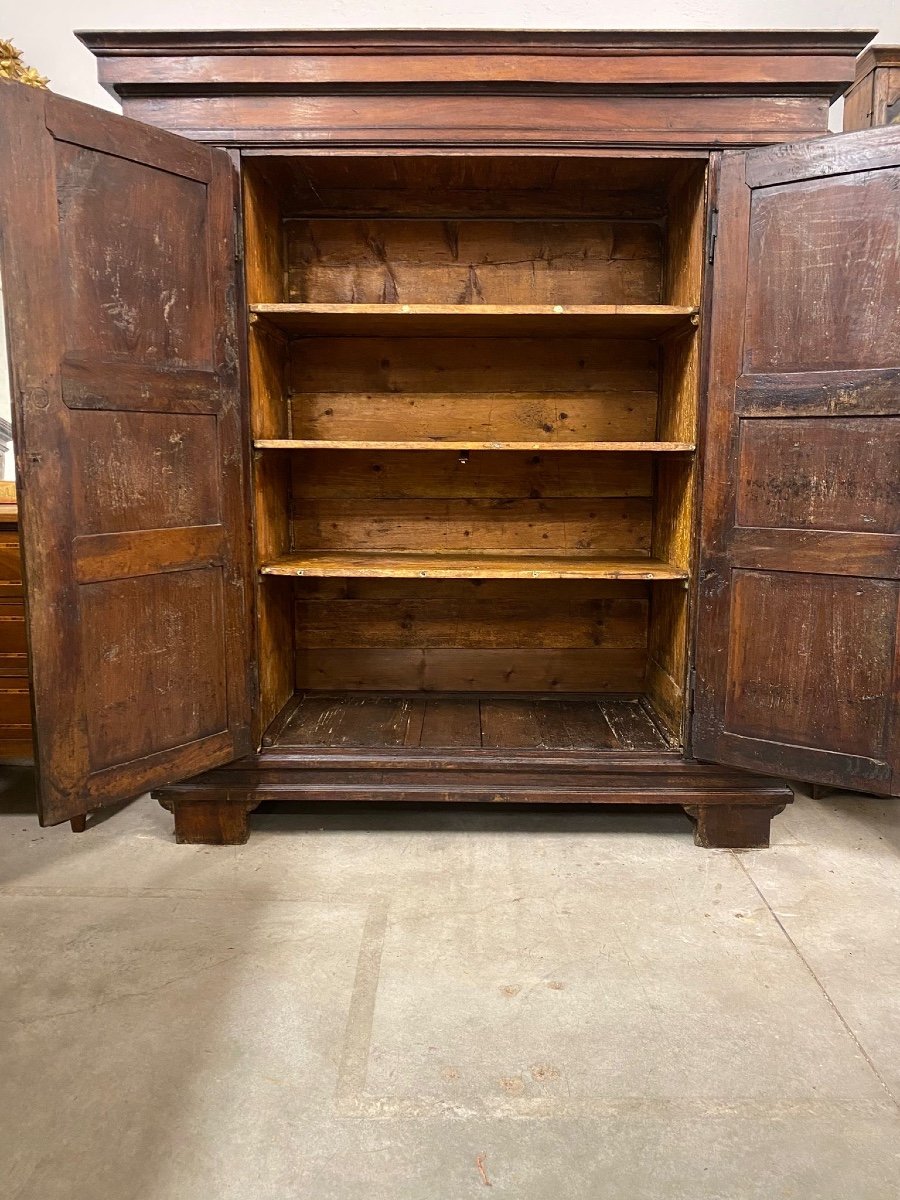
(479, 320)
(439, 444)
(409, 565)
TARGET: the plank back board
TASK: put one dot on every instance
(464, 634)
(498, 389)
(415, 261)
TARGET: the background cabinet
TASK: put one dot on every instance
(15, 701)
(472, 448)
(874, 98)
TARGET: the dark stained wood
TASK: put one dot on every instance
(490, 178)
(870, 150)
(457, 188)
(141, 387)
(10, 559)
(521, 776)
(467, 121)
(510, 723)
(874, 98)
(102, 556)
(137, 621)
(221, 824)
(862, 393)
(732, 827)
(797, 667)
(475, 89)
(171, 625)
(450, 721)
(474, 319)
(12, 629)
(465, 722)
(413, 633)
(632, 725)
(851, 481)
(442, 669)
(843, 697)
(788, 326)
(868, 555)
(116, 474)
(15, 698)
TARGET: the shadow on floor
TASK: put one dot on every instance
(287, 817)
(18, 794)
(17, 788)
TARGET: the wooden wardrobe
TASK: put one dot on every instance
(457, 416)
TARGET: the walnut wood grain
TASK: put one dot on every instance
(595, 146)
(476, 89)
(137, 613)
(797, 665)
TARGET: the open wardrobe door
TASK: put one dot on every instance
(797, 668)
(118, 269)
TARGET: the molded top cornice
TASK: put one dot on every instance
(474, 41)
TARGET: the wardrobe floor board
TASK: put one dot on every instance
(466, 721)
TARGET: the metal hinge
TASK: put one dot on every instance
(692, 683)
(712, 232)
(238, 236)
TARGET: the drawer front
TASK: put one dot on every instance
(15, 706)
(10, 565)
(15, 701)
(12, 629)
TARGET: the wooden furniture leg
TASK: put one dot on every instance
(732, 827)
(79, 823)
(211, 822)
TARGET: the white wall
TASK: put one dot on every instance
(43, 29)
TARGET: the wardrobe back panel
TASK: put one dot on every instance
(471, 635)
(526, 389)
(415, 261)
(440, 501)
(454, 186)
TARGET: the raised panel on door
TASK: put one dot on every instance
(118, 260)
(798, 652)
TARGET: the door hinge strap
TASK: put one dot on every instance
(238, 237)
(712, 232)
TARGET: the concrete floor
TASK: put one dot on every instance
(421, 1006)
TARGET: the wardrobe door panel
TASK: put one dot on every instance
(797, 642)
(118, 261)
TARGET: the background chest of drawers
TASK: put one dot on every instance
(15, 703)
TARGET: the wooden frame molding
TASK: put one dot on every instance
(466, 88)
